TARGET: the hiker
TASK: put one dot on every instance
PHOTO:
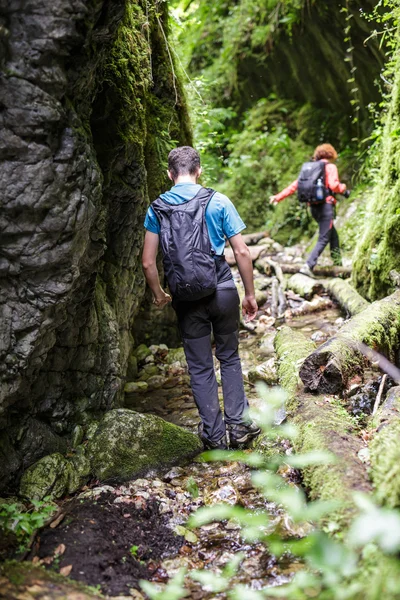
(191, 223)
(317, 183)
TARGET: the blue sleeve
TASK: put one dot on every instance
(151, 222)
(232, 223)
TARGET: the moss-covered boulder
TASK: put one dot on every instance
(127, 443)
(49, 476)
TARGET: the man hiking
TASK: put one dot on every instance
(191, 224)
(316, 185)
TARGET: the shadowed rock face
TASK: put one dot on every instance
(79, 91)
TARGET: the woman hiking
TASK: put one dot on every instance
(317, 185)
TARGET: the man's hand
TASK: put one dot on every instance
(161, 299)
(273, 200)
(249, 308)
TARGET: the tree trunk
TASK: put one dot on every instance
(329, 368)
(305, 286)
(348, 298)
(318, 270)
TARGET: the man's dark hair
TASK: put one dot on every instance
(184, 160)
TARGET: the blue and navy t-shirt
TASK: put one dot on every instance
(222, 218)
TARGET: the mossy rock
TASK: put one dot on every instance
(25, 580)
(80, 471)
(176, 355)
(127, 443)
(49, 476)
(141, 353)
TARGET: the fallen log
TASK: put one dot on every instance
(255, 252)
(305, 286)
(328, 369)
(251, 239)
(385, 451)
(318, 270)
(307, 307)
(323, 425)
(346, 296)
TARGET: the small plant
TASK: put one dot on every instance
(192, 487)
(134, 551)
(23, 523)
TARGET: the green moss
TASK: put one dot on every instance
(47, 477)
(378, 251)
(292, 348)
(347, 296)
(378, 574)
(327, 426)
(385, 452)
(322, 425)
(127, 443)
(25, 580)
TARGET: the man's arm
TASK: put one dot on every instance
(149, 262)
(245, 266)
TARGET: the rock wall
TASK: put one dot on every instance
(89, 106)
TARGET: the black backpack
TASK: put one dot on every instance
(188, 258)
(311, 182)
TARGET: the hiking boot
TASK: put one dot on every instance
(240, 435)
(221, 444)
(306, 270)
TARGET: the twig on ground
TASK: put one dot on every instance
(379, 395)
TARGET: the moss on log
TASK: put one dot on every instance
(329, 368)
(318, 270)
(305, 286)
(345, 294)
(323, 425)
(291, 348)
(385, 451)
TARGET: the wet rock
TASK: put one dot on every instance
(266, 347)
(265, 372)
(141, 353)
(77, 436)
(319, 336)
(147, 372)
(91, 430)
(221, 491)
(155, 382)
(80, 471)
(176, 355)
(50, 476)
(132, 368)
(127, 443)
(136, 387)
(174, 473)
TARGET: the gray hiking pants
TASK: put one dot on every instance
(324, 214)
(218, 313)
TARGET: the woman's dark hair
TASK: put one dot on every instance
(184, 160)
